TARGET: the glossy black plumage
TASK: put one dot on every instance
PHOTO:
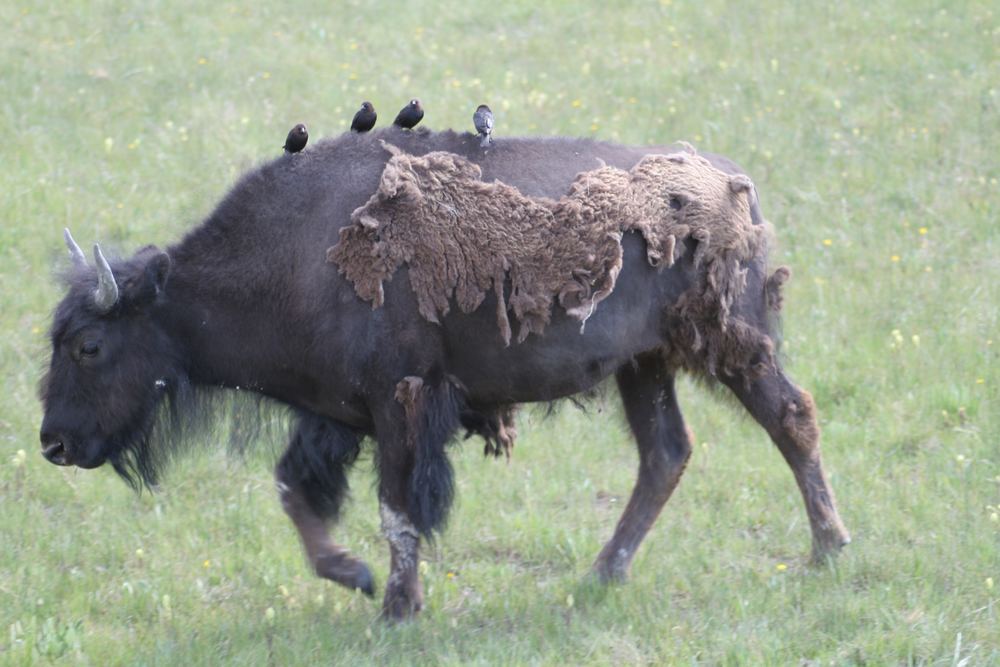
(297, 138)
(410, 115)
(364, 119)
(483, 120)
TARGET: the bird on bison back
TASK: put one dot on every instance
(410, 115)
(296, 139)
(483, 120)
(364, 119)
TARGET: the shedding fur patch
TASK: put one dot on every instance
(799, 420)
(774, 285)
(462, 239)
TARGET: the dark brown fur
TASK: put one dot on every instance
(248, 302)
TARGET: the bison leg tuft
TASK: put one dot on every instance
(432, 417)
(415, 479)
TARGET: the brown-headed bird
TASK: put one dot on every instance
(297, 138)
(483, 119)
(364, 119)
(410, 115)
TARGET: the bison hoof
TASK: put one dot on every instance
(611, 576)
(829, 546)
(612, 565)
(346, 571)
(401, 604)
(608, 572)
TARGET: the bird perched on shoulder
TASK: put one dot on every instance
(297, 138)
(364, 119)
(410, 115)
(483, 119)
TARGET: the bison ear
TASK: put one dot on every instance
(157, 270)
(148, 277)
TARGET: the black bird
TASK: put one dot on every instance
(297, 138)
(364, 119)
(483, 118)
(410, 115)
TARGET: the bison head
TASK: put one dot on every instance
(113, 365)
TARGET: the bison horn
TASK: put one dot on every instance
(106, 294)
(79, 259)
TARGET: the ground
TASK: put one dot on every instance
(872, 132)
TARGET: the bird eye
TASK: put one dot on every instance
(89, 348)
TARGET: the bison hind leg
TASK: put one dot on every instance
(664, 441)
(788, 414)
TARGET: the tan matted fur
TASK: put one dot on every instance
(462, 238)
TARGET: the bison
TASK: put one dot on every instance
(248, 300)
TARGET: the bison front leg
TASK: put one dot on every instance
(415, 483)
(647, 391)
(788, 414)
(312, 484)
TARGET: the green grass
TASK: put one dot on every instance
(872, 132)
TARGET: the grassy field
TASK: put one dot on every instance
(872, 131)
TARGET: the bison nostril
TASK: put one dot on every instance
(54, 449)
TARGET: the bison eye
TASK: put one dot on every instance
(89, 348)
(675, 203)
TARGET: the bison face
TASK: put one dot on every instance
(112, 364)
